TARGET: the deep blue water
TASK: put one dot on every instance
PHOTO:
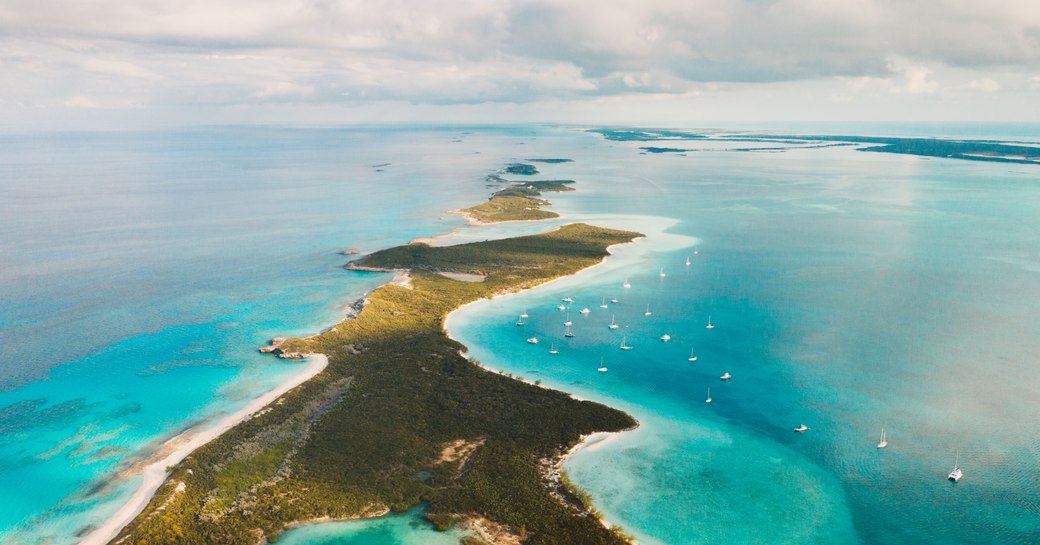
(851, 291)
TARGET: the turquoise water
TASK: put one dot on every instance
(398, 529)
(850, 291)
(142, 270)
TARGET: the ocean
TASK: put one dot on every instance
(849, 292)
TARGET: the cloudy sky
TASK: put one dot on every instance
(140, 63)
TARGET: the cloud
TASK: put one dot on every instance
(80, 102)
(216, 53)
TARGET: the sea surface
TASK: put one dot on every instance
(849, 292)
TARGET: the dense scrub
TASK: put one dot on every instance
(399, 417)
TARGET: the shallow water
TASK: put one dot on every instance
(851, 291)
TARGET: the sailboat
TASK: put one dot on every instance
(687, 261)
(585, 311)
(613, 324)
(568, 333)
(567, 300)
(695, 251)
(603, 303)
(647, 313)
(523, 314)
(883, 442)
(568, 323)
(802, 428)
(627, 284)
(533, 340)
(661, 274)
(561, 307)
(601, 369)
(956, 474)
(692, 357)
(726, 376)
(623, 345)
(708, 400)
(521, 320)
(666, 337)
(710, 325)
(553, 350)
(615, 300)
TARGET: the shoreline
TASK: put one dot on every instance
(152, 469)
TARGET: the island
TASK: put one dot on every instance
(517, 202)
(401, 417)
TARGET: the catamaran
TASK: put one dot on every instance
(561, 307)
(613, 324)
(802, 428)
(692, 357)
(726, 376)
(614, 300)
(553, 350)
(585, 311)
(666, 337)
(708, 400)
(623, 345)
(567, 300)
(956, 474)
(568, 323)
(533, 340)
(883, 442)
(710, 325)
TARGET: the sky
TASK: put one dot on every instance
(153, 63)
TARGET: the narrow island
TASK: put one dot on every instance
(519, 201)
(400, 416)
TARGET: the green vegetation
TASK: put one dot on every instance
(400, 417)
(551, 161)
(518, 202)
(521, 169)
(645, 135)
(652, 149)
(972, 150)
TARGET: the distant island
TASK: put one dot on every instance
(517, 202)
(971, 150)
(401, 417)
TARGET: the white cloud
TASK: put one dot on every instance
(117, 68)
(986, 85)
(80, 102)
(285, 89)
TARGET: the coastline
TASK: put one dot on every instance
(152, 470)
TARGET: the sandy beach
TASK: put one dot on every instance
(152, 470)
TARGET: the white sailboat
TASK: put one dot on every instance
(523, 314)
(710, 325)
(726, 376)
(615, 300)
(627, 284)
(603, 303)
(661, 274)
(568, 323)
(553, 350)
(956, 474)
(692, 357)
(568, 333)
(666, 337)
(883, 442)
(687, 261)
(561, 307)
(521, 320)
(601, 369)
(533, 340)
(585, 311)
(647, 313)
(802, 428)
(567, 300)
(624, 346)
(613, 324)
(695, 251)
(708, 400)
